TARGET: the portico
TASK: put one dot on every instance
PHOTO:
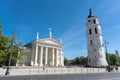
(46, 56)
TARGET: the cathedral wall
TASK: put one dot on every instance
(26, 58)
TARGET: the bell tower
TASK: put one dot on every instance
(95, 44)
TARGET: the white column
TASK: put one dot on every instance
(57, 57)
(41, 56)
(46, 56)
(32, 56)
(36, 55)
(61, 57)
(53, 57)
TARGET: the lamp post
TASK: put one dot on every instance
(10, 55)
(107, 56)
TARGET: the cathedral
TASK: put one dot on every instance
(43, 52)
(95, 43)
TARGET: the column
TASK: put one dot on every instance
(46, 56)
(57, 57)
(61, 57)
(32, 56)
(41, 56)
(53, 57)
(36, 55)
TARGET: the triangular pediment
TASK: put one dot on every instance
(45, 41)
(50, 41)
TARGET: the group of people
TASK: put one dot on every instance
(111, 68)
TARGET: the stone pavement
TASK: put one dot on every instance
(89, 76)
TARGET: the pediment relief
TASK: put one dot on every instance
(49, 41)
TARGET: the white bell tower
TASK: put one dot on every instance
(95, 44)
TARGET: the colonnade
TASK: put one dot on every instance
(46, 56)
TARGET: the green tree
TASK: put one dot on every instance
(73, 62)
(83, 60)
(66, 62)
(112, 59)
(3, 47)
(7, 46)
(79, 61)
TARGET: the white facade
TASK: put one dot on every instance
(95, 44)
(43, 52)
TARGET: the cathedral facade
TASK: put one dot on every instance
(95, 43)
(43, 52)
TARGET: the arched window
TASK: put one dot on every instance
(90, 32)
(96, 30)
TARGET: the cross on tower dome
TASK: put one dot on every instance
(90, 13)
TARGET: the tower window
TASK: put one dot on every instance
(90, 32)
(96, 30)
(94, 21)
(89, 61)
(91, 42)
(94, 49)
(88, 20)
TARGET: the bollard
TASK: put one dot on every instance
(38, 71)
(61, 71)
(75, 71)
(46, 71)
(29, 71)
(68, 71)
(81, 70)
(54, 71)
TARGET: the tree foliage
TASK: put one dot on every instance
(3, 46)
(112, 59)
(79, 61)
(6, 47)
(66, 62)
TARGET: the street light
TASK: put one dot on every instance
(10, 55)
(107, 57)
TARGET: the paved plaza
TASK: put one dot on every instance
(89, 76)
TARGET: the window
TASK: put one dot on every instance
(91, 42)
(100, 49)
(96, 30)
(90, 32)
(94, 49)
(94, 21)
(89, 61)
(88, 20)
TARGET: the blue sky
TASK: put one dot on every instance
(65, 17)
